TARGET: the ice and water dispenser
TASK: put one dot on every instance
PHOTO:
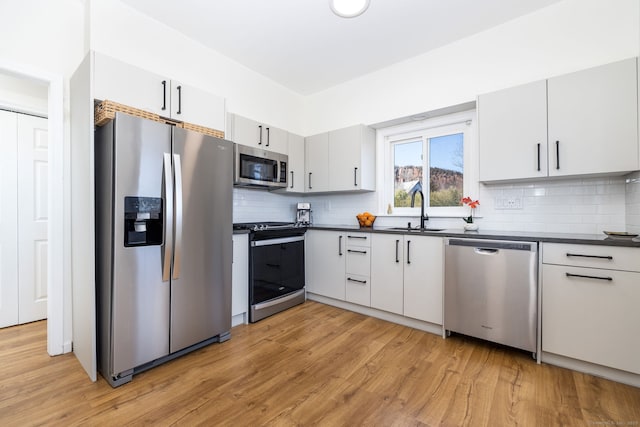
(142, 221)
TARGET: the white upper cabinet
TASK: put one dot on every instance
(255, 134)
(582, 123)
(593, 120)
(126, 84)
(341, 160)
(352, 159)
(513, 132)
(317, 163)
(295, 180)
(192, 105)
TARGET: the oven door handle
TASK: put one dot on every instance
(268, 242)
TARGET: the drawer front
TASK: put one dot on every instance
(358, 260)
(592, 256)
(358, 289)
(359, 239)
(592, 315)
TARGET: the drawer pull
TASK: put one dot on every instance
(609, 257)
(609, 279)
(357, 252)
(364, 282)
(397, 243)
(357, 237)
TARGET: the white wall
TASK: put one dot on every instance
(46, 38)
(43, 34)
(24, 95)
(564, 37)
(124, 33)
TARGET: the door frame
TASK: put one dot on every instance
(58, 234)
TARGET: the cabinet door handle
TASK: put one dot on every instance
(538, 157)
(355, 177)
(557, 154)
(397, 246)
(364, 282)
(357, 252)
(268, 137)
(291, 179)
(408, 251)
(164, 95)
(310, 187)
(608, 279)
(609, 257)
(340, 245)
(179, 88)
(259, 134)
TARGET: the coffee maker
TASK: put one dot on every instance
(303, 215)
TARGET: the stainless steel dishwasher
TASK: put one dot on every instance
(491, 290)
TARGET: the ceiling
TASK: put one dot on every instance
(303, 46)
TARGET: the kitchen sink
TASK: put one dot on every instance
(415, 230)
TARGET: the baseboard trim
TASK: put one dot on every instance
(612, 374)
(379, 314)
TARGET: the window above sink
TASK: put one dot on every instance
(438, 152)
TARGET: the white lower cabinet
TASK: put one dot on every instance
(240, 280)
(387, 272)
(407, 275)
(590, 297)
(325, 262)
(424, 278)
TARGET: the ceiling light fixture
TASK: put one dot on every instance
(348, 8)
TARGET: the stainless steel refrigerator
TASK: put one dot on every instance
(163, 243)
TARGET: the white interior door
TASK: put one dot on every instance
(33, 173)
(8, 220)
(23, 218)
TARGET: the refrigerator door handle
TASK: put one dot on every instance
(177, 168)
(168, 219)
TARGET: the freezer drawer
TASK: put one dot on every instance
(491, 290)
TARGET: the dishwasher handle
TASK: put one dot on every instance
(487, 245)
(485, 251)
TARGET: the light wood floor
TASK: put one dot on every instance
(312, 365)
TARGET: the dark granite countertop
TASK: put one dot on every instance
(583, 239)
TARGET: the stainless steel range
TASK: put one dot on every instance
(276, 267)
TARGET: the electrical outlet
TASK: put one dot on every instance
(513, 203)
(508, 203)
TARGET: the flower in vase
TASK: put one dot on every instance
(473, 204)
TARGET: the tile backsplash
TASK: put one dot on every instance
(585, 205)
(253, 205)
(581, 205)
(633, 202)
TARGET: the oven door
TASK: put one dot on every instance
(277, 268)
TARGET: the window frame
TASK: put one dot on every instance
(462, 122)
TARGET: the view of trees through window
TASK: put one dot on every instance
(445, 167)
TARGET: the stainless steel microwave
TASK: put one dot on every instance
(254, 167)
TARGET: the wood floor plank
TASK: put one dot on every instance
(312, 365)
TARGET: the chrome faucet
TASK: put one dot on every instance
(418, 189)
